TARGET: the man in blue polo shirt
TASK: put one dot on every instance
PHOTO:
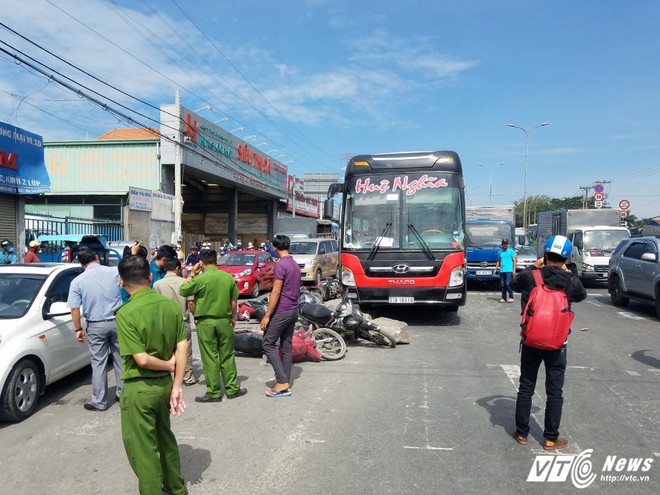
(506, 264)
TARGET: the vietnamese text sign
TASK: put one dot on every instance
(22, 167)
(139, 199)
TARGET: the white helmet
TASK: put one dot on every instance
(560, 245)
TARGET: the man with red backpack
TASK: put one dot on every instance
(547, 336)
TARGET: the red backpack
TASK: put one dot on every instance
(547, 317)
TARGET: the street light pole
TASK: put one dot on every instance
(526, 163)
(490, 190)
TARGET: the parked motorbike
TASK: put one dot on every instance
(346, 319)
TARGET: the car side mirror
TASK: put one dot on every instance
(328, 209)
(263, 265)
(649, 257)
(58, 308)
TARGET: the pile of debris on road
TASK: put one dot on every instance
(327, 319)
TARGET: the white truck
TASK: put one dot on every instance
(594, 234)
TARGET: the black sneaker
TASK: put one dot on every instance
(241, 392)
(91, 407)
(206, 398)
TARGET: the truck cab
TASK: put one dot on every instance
(483, 239)
(592, 249)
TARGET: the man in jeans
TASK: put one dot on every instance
(281, 316)
(506, 264)
(555, 275)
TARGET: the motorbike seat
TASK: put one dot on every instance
(316, 313)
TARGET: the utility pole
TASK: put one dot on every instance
(584, 198)
(178, 200)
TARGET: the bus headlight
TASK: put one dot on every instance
(457, 277)
(347, 277)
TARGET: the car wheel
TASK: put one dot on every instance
(617, 295)
(657, 301)
(255, 290)
(21, 392)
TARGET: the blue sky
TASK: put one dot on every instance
(318, 80)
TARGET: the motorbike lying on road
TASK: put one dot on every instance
(347, 320)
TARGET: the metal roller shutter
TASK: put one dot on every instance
(8, 218)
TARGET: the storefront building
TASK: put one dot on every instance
(227, 189)
(22, 174)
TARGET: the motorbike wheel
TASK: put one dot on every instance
(381, 337)
(330, 344)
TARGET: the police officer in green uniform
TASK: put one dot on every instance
(216, 296)
(152, 341)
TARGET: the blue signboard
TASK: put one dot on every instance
(22, 167)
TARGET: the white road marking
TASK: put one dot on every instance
(428, 447)
(633, 373)
(630, 315)
(596, 303)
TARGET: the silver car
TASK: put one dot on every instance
(634, 271)
(317, 258)
(526, 256)
(37, 338)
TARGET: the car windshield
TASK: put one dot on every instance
(303, 248)
(17, 291)
(396, 215)
(605, 240)
(234, 259)
(526, 252)
(485, 234)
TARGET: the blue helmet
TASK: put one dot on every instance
(560, 245)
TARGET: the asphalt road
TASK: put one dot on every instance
(431, 417)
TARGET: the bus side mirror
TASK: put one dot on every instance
(328, 209)
(335, 188)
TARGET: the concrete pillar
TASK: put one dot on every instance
(233, 216)
(272, 215)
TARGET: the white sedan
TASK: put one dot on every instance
(37, 338)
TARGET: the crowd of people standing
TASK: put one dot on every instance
(141, 315)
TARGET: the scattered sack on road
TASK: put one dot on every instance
(248, 341)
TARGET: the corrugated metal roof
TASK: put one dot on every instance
(130, 134)
(102, 167)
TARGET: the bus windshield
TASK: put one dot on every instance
(403, 211)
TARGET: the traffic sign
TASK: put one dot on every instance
(599, 188)
(598, 204)
(624, 214)
(624, 204)
(598, 197)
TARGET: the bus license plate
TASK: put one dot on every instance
(484, 272)
(401, 300)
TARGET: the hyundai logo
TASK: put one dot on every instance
(401, 269)
(483, 264)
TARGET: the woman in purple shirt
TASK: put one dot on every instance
(281, 316)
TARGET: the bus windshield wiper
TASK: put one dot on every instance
(378, 240)
(422, 242)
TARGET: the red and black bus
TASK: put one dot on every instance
(401, 229)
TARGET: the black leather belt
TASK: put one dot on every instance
(101, 321)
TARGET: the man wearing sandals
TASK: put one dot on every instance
(281, 316)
